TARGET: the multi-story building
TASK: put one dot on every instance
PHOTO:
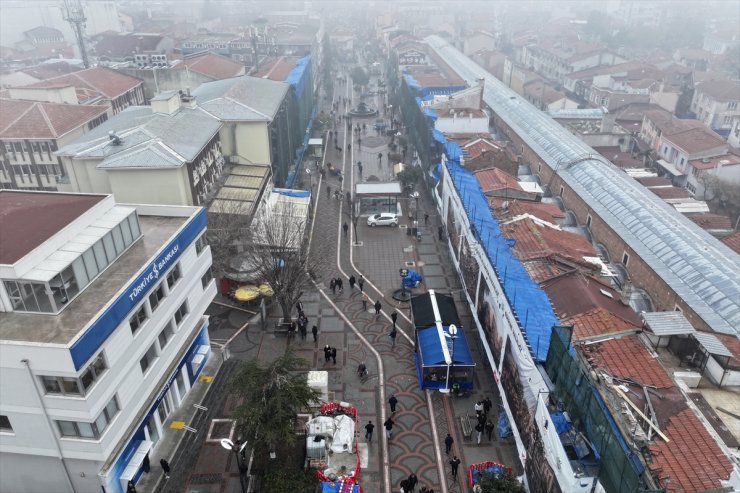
(556, 60)
(716, 103)
(102, 335)
(31, 134)
(97, 85)
(169, 153)
(142, 48)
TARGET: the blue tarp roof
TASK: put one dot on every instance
(530, 303)
(297, 76)
(431, 350)
(292, 193)
(438, 136)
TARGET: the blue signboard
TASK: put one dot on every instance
(96, 334)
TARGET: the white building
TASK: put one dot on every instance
(102, 335)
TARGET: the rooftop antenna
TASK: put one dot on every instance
(73, 13)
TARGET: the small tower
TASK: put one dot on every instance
(73, 13)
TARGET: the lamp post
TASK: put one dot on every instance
(415, 195)
(234, 447)
(452, 335)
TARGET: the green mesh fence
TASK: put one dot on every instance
(620, 468)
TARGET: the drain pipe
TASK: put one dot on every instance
(49, 425)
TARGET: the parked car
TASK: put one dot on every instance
(383, 219)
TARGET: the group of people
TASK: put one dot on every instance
(146, 467)
(330, 353)
(484, 424)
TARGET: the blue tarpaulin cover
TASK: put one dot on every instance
(339, 487)
(297, 76)
(431, 351)
(504, 428)
(411, 280)
(562, 425)
(439, 136)
(292, 193)
(498, 470)
(530, 303)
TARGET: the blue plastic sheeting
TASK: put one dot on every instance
(430, 113)
(439, 136)
(298, 76)
(431, 349)
(495, 470)
(301, 152)
(292, 193)
(562, 425)
(411, 82)
(339, 487)
(411, 280)
(437, 173)
(530, 303)
(504, 428)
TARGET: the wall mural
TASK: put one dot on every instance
(515, 395)
(469, 268)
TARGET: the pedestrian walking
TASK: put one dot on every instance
(327, 353)
(404, 484)
(333, 286)
(165, 467)
(388, 427)
(478, 408)
(365, 299)
(487, 405)
(369, 427)
(454, 464)
(479, 429)
(477, 488)
(328, 191)
(303, 329)
(394, 317)
(489, 429)
(334, 358)
(146, 465)
(345, 228)
(482, 418)
(378, 306)
(315, 333)
(131, 487)
(359, 168)
(340, 284)
(448, 443)
(361, 283)
(393, 402)
(352, 282)
(413, 480)
(392, 337)
(426, 219)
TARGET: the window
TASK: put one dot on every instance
(5, 426)
(625, 259)
(728, 120)
(207, 278)
(94, 430)
(93, 372)
(138, 319)
(165, 335)
(173, 276)
(200, 244)
(588, 221)
(181, 313)
(732, 105)
(156, 296)
(149, 357)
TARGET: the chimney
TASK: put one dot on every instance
(167, 102)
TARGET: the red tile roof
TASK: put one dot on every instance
(36, 120)
(121, 45)
(276, 68)
(49, 70)
(544, 269)
(627, 358)
(692, 460)
(733, 344)
(733, 241)
(720, 90)
(716, 161)
(107, 82)
(26, 221)
(212, 65)
(575, 293)
(492, 179)
(654, 181)
(711, 221)
(547, 212)
(670, 192)
(538, 242)
(597, 322)
(476, 147)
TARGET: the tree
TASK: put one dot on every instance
(278, 252)
(504, 483)
(270, 398)
(359, 76)
(228, 223)
(409, 176)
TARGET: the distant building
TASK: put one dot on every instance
(144, 49)
(42, 43)
(103, 334)
(479, 40)
(547, 98)
(717, 103)
(31, 75)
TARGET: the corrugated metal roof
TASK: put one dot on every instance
(667, 323)
(241, 98)
(699, 268)
(713, 345)
(583, 114)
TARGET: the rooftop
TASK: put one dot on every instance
(37, 120)
(733, 241)
(26, 222)
(49, 70)
(121, 45)
(242, 98)
(104, 81)
(493, 179)
(62, 328)
(720, 90)
(696, 266)
(536, 240)
(212, 65)
(276, 68)
(716, 161)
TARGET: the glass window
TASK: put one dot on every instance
(200, 244)
(90, 264)
(133, 221)
(173, 276)
(165, 335)
(156, 296)
(85, 430)
(181, 313)
(51, 385)
(5, 423)
(207, 278)
(126, 229)
(101, 423)
(14, 293)
(110, 249)
(151, 427)
(118, 240)
(67, 428)
(73, 277)
(100, 257)
(112, 409)
(146, 361)
(138, 319)
(87, 379)
(70, 386)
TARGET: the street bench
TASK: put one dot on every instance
(467, 426)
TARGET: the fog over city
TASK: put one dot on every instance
(369, 246)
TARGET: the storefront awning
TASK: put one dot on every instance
(432, 353)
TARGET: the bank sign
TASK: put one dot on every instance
(118, 311)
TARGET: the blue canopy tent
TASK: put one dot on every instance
(432, 366)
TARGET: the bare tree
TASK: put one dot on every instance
(278, 250)
(228, 225)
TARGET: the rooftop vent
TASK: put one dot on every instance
(115, 139)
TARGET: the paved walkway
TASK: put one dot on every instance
(422, 419)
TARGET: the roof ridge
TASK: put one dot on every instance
(247, 107)
(46, 118)
(19, 116)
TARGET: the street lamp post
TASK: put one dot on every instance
(234, 447)
(415, 195)
(452, 335)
